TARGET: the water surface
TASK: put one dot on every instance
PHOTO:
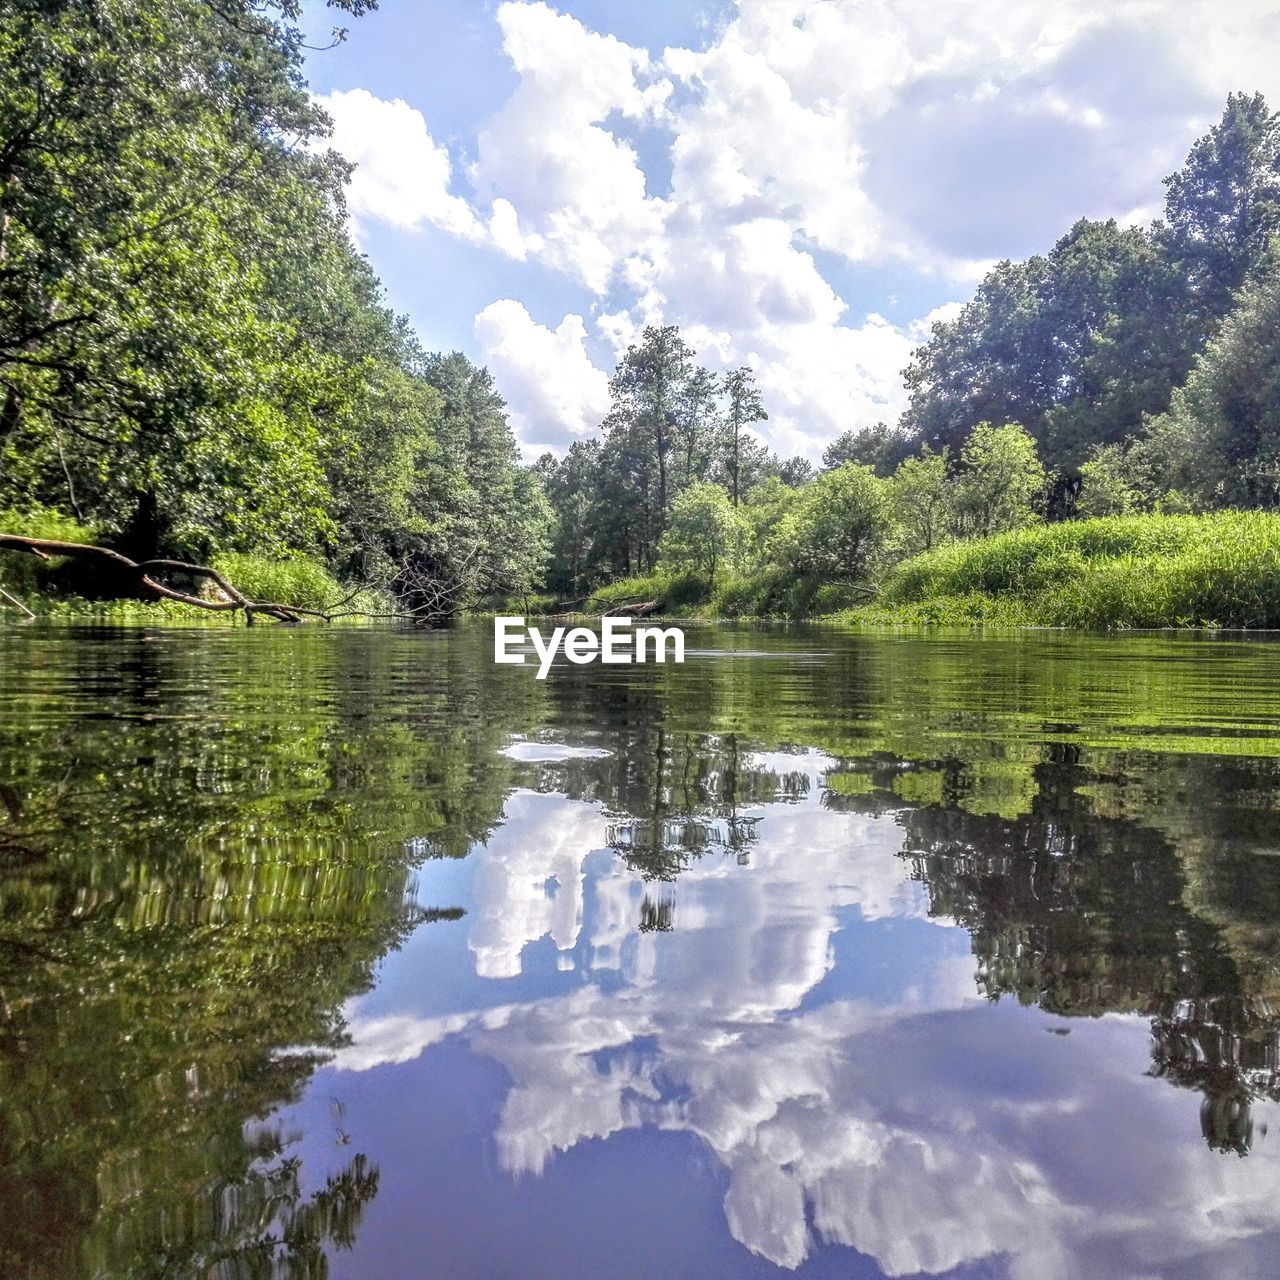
(347, 953)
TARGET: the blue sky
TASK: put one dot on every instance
(801, 185)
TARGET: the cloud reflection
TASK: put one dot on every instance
(916, 1125)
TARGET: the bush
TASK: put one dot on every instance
(1119, 571)
(673, 592)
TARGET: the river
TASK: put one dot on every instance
(348, 953)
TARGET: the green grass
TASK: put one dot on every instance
(770, 592)
(26, 575)
(1220, 570)
(54, 589)
(298, 581)
(677, 594)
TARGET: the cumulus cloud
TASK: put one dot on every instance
(805, 138)
(577, 189)
(402, 175)
(555, 394)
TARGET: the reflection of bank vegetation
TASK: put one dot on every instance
(193, 879)
(197, 873)
(1082, 809)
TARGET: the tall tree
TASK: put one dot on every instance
(837, 525)
(1079, 344)
(483, 522)
(1219, 443)
(152, 177)
(745, 407)
(648, 388)
(1061, 343)
(1222, 208)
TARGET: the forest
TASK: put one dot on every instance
(197, 368)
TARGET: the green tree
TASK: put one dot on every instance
(571, 485)
(1114, 482)
(1219, 443)
(649, 388)
(1075, 344)
(922, 498)
(745, 407)
(1223, 207)
(706, 533)
(766, 506)
(838, 525)
(794, 471)
(880, 447)
(483, 523)
(1000, 480)
(153, 182)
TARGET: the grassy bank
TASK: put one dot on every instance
(767, 593)
(64, 589)
(1220, 570)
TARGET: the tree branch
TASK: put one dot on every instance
(142, 574)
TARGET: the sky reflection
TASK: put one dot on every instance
(784, 1029)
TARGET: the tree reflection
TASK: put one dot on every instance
(1097, 869)
(199, 864)
(207, 844)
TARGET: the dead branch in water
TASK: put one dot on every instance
(142, 577)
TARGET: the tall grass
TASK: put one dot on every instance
(1218, 570)
(298, 581)
(674, 593)
(61, 587)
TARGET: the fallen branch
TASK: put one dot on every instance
(17, 604)
(142, 575)
(643, 609)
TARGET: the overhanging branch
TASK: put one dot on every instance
(144, 578)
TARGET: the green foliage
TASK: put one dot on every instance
(1001, 480)
(1219, 443)
(770, 592)
(672, 592)
(706, 533)
(838, 525)
(1222, 208)
(1122, 571)
(194, 359)
(1080, 343)
(1114, 482)
(923, 501)
(881, 447)
(744, 457)
(300, 581)
(23, 574)
(480, 522)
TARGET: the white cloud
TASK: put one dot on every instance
(578, 190)
(555, 393)
(837, 1120)
(808, 138)
(402, 175)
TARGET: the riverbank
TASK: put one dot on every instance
(1115, 572)
(1220, 570)
(64, 588)
(1118, 572)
